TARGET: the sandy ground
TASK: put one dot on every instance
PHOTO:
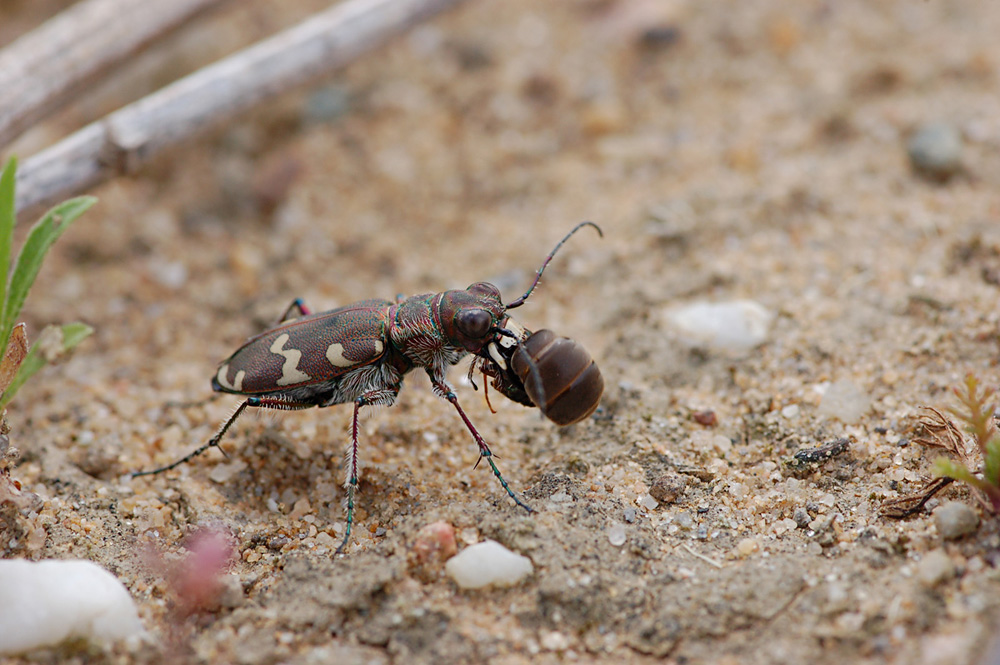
(730, 151)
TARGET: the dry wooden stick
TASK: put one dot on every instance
(43, 69)
(121, 141)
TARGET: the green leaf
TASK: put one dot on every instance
(950, 469)
(45, 232)
(48, 348)
(74, 333)
(991, 465)
(7, 219)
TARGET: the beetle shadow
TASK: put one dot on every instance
(273, 475)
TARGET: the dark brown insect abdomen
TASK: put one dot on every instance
(568, 384)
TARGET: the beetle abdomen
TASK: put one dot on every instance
(568, 384)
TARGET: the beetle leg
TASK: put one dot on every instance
(442, 389)
(263, 402)
(300, 306)
(379, 397)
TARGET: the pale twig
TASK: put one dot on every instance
(127, 138)
(692, 552)
(42, 70)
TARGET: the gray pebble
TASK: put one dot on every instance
(955, 519)
(327, 104)
(801, 517)
(936, 567)
(629, 515)
(936, 150)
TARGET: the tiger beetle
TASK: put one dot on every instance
(359, 353)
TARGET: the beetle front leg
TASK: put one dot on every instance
(442, 389)
(380, 397)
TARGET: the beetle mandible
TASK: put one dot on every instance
(359, 353)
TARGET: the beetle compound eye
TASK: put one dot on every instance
(474, 323)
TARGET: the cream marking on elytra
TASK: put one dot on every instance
(223, 379)
(335, 354)
(290, 372)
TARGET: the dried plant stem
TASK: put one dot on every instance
(127, 138)
(43, 69)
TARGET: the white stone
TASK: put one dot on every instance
(736, 326)
(487, 563)
(936, 567)
(555, 641)
(790, 411)
(43, 604)
(648, 502)
(616, 535)
(844, 401)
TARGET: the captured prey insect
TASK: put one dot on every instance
(359, 353)
(556, 374)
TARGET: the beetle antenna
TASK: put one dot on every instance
(538, 275)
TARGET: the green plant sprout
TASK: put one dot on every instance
(18, 363)
(976, 411)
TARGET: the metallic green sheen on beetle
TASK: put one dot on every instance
(360, 353)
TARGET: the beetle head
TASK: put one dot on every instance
(470, 317)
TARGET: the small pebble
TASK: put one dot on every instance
(705, 418)
(435, 541)
(955, 519)
(737, 326)
(171, 274)
(667, 488)
(936, 567)
(648, 502)
(785, 525)
(844, 401)
(801, 517)
(629, 515)
(554, 641)
(616, 534)
(935, 150)
(487, 564)
(790, 411)
(747, 546)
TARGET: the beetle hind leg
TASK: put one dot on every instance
(261, 402)
(379, 397)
